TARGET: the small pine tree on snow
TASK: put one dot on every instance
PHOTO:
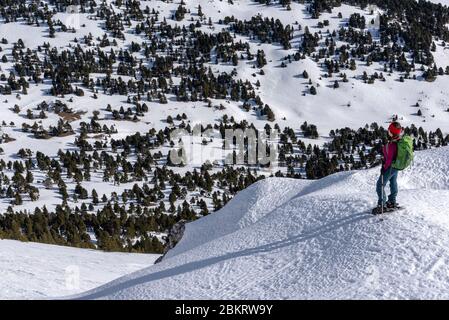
(336, 85)
(235, 60)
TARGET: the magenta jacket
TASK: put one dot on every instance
(390, 151)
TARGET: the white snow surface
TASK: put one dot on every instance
(38, 271)
(296, 239)
(443, 2)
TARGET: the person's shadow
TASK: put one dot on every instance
(195, 265)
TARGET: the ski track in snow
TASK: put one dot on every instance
(290, 239)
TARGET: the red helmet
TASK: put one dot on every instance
(395, 128)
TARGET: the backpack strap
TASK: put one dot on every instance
(396, 143)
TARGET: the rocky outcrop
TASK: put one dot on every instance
(174, 236)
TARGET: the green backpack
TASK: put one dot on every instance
(405, 153)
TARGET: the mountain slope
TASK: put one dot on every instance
(36, 271)
(285, 239)
(42, 116)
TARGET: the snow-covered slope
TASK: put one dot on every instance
(286, 239)
(36, 271)
(280, 238)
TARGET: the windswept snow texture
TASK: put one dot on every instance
(36, 271)
(293, 239)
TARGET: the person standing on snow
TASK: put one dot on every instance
(388, 173)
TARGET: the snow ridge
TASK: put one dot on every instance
(293, 239)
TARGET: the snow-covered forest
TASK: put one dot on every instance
(92, 91)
